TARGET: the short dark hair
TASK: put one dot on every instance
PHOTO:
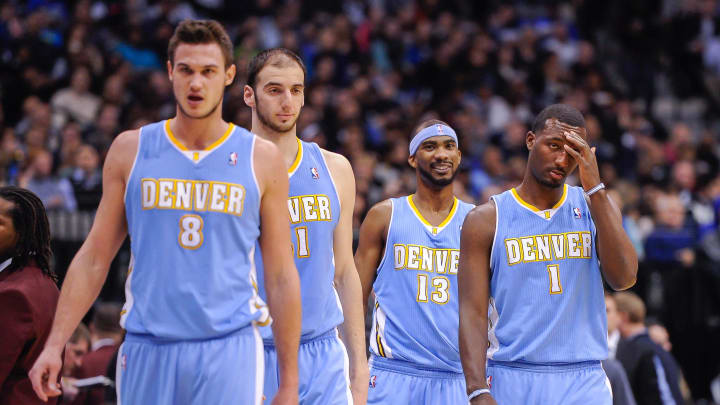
(201, 32)
(562, 112)
(33, 230)
(428, 123)
(80, 333)
(263, 58)
(106, 317)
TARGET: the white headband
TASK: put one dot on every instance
(429, 132)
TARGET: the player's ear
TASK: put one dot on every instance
(230, 74)
(411, 161)
(249, 96)
(530, 139)
(169, 69)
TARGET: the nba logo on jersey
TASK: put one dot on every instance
(123, 362)
(232, 161)
(315, 174)
(372, 381)
(577, 213)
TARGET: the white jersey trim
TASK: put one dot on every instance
(387, 238)
(346, 368)
(252, 170)
(132, 168)
(497, 220)
(129, 299)
(259, 366)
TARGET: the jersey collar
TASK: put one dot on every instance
(544, 214)
(432, 228)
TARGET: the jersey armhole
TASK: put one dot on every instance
(132, 168)
(495, 235)
(332, 180)
(252, 169)
(387, 238)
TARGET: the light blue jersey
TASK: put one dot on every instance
(416, 310)
(314, 208)
(193, 220)
(546, 291)
(314, 212)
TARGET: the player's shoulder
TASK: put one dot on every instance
(381, 212)
(337, 163)
(264, 150)
(481, 218)
(125, 142)
(123, 151)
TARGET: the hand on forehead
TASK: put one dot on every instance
(553, 124)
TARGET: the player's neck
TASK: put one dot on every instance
(198, 133)
(285, 141)
(432, 201)
(540, 196)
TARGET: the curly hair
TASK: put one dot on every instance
(31, 224)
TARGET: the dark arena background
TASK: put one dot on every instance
(646, 75)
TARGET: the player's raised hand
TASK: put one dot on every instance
(285, 397)
(44, 373)
(584, 155)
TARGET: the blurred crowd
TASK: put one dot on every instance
(646, 74)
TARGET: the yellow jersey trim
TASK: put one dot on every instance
(212, 146)
(298, 158)
(534, 208)
(425, 221)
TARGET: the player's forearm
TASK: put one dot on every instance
(352, 330)
(283, 294)
(85, 278)
(617, 255)
(473, 339)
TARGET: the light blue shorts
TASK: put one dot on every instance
(226, 370)
(323, 368)
(396, 382)
(583, 383)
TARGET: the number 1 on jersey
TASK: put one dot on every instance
(554, 273)
(303, 247)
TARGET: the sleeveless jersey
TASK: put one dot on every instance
(416, 295)
(193, 219)
(314, 209)
(546, 291)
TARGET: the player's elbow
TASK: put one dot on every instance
(625, 278)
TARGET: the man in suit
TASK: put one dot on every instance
(28, 294)
(106, 335)
(653, 373)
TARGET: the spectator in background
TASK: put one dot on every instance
(86, 178)
(653, 373)
(76, 102)
(28, 294)
(106, 336)
(613, 322)
(672, 240)
(75, 350)
(622, 393)
(55, 193)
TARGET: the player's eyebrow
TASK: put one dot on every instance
(209, 66)
(281, 84)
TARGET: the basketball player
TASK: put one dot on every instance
(408, 255)
(320, 204)
(531, 254)
(194, 193)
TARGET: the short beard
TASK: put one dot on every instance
(212, 110)
(266, 121)
(546, 183)
(435, 182)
